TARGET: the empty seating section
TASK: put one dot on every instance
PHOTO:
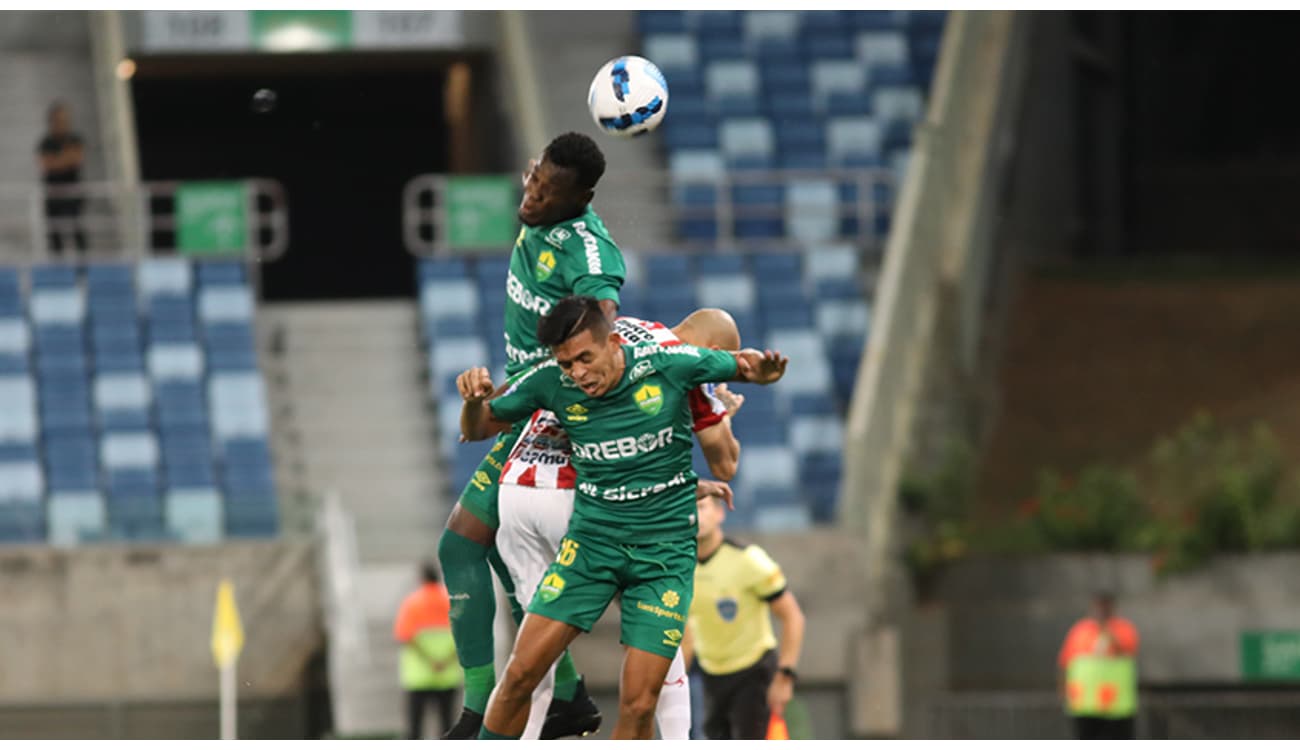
(131, 405)
(807, 90)
(811, 305)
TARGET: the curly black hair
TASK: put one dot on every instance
(581, 154)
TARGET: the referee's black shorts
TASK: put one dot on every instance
(736, 703)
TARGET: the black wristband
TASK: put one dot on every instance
(789, 672)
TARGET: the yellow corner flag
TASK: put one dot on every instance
(227, 631)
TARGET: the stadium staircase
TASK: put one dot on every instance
(351, 427)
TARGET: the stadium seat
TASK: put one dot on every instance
(17, 409)
(164, 278)
(58, 307)
(771, 466)
(225, 304)
(831, 77)
(75, 516)
(816, 434)
(849, 317)
(175, 362)
(731, 78)
(53, 277)
(194, 515)
(812, 210)
(770, 24)
(237, 404)
(849, 138)
(122, 401)
(745, 138)
(897, 104)
(671, 51)
(876, 48)
(448, 297)
(21, 482)
(220, 273)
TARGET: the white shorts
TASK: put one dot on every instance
(533, 522)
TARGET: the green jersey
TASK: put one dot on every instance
(631, 447)
(549, 263)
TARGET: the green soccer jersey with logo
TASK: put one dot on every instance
(631, 446)
(549, 263)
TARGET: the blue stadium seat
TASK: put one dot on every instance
(75, 516)
(661, 21)
(829, 45)
(219, 273)
(195, 516)
(442, 268)
(675, 50)
(21, 481)
(168, 277)
(53, 277)
(22, 522)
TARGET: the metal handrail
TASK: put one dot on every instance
(132, 213)
(424, 207)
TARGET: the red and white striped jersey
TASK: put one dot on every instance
(540, 458)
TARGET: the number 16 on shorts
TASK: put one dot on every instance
(568, 552)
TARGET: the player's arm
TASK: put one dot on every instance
(476, 419)
(600, 272)
(787, 612)
(721, 449)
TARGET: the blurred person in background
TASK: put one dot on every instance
(430, 672)
(61, 156)
(748, 676)
(1098, 673)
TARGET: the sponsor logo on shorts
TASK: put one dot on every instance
(642, 371)
(659, 611)
(545, 265)
(481, 480)
(551, 588)
(649, 398)
(576, 413)
(671, 598)
(673, 638)
(623, 494)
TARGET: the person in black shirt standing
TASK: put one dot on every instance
(61, 155)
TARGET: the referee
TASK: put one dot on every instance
(747, 677)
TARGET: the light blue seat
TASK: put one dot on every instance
(816, 434)
(54, 307)
(17, 409)
(237, 403)
(813, 375)
(121, 451)
(732, 293)
(770, 24)
(75, 516)
(746, 138)
(731, 78)
(843, 318)
(15, 337)
(785, 518)
(225, 304)
(897, 104)
(853, 137)
(448, 298)
(164, 277)
(175, 362)
(21, 482)
(451, 356)
(121, 391)
(194, 516)
(826, 262)
(874, 48)
(837, 77)
(812, 210)
(767, 466)
(671, 50)
(696, 165)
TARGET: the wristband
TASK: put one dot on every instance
(789, 672)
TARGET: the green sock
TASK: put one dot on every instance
(468, 577)
(566, 678)
(485, 734)
(507, 584)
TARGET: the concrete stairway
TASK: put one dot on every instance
(353, 426)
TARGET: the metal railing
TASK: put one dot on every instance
(836, 206)
(126, 220)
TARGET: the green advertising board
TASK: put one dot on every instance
(301, 30)
(1271, 655)
(211, 218)
(482, 212)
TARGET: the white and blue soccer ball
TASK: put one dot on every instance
(628, 96)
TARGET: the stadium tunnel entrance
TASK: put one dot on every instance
(342, 132)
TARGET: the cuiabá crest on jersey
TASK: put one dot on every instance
(557, 236)
(649, 398)
(545, 265)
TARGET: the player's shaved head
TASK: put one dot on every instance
(709, 328)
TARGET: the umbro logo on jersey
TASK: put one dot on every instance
(649, 398)
(641, 371)
(558, 235)
(576, 413)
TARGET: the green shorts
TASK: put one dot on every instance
(480, 494)
(656, 581)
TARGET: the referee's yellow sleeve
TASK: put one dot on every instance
(767, 580)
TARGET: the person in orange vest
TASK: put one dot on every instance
(430, 672)
(1098, 673)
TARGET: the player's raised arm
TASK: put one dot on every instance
(476, 420)
(761, 368)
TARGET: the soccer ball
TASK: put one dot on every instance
(628, 96)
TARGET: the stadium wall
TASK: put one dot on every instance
(122, 624)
